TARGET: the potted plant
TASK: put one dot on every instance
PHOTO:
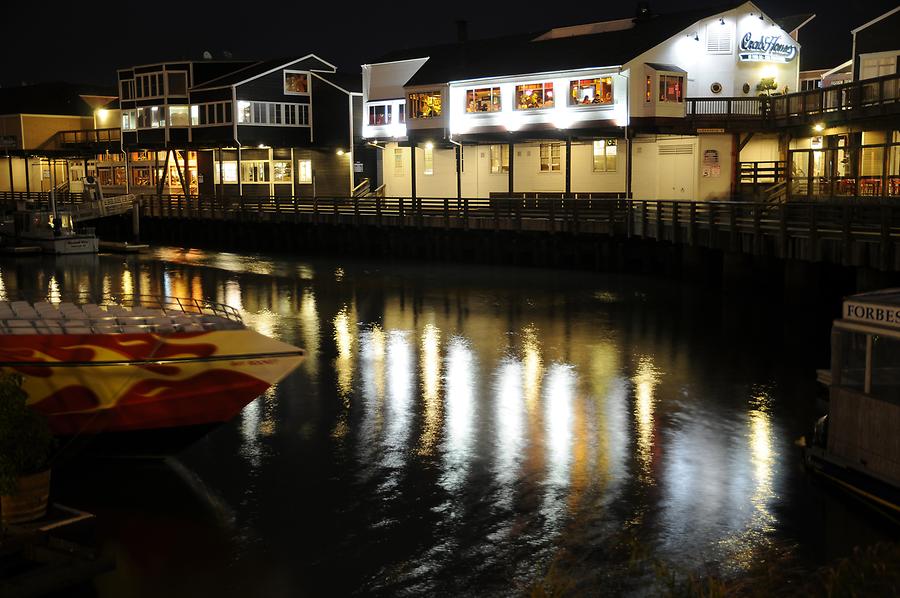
(25, 448)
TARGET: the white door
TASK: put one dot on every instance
(676, 171)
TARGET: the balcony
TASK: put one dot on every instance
(89, 138)
(866, 99)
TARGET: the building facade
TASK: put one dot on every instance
(281, 127)
(594, 109)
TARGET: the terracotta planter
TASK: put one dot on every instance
(29, 502)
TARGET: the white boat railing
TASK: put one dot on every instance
(118, 314)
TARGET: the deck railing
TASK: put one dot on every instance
(859, 232)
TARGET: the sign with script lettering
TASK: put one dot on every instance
(872, 313)
(765, 48)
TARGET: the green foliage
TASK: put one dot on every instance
(25, 439)
(766, 86)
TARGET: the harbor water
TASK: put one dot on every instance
(470, 430)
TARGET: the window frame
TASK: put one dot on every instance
(414, 97)
(399, 166)
(544, 89)
(304, 171)
(662, 79)
(262, 114)
(428, 161)
(502, 166)
(494, 92)
(284, 77)
(573, 103)
(605, 143)
(552, 161)
(186, 86)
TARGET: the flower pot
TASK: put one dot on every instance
(30, 500)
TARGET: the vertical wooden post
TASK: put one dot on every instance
(512, 156)
(568, 166)
(412, 171)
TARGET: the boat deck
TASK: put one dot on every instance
(22, 317)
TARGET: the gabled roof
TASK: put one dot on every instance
(351, 83)
(794, 22)
(58, 98)
(522, 54)
(253, 71)
(875, 20)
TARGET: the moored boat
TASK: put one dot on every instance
(140, 366)
(855, 445)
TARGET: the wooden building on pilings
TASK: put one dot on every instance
(281, 127)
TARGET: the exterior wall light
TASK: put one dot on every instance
(818, 127)
(429, 145)
(721, 21)
(340, 152)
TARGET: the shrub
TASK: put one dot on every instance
(25, 439)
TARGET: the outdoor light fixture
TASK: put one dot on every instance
(102, 113)
(429, 145)
(696, 37)
(721, 21)
(818, 127)
(761, 17)
(340, 152)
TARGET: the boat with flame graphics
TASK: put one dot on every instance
(139, 368)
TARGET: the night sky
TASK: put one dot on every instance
(86, 43)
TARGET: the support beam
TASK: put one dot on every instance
(568, 166)
(743, 143)
(220, 191)
(512, 159)
(459, 159)
(160, 183)
(12, 180)
(27, 176)
(184, 187)
(412, 170)
(628, 163)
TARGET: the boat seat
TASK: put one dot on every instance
(77, 330)
(19, 323)
(25, 311)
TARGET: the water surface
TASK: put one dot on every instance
(470, 430)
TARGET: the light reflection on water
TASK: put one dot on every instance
(471, 427)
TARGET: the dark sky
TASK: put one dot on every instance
(86, 42)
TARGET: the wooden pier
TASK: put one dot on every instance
(854, 232)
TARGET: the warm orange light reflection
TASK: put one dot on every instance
(645, 380)
(431, 387)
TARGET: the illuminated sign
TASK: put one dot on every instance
(765, 48)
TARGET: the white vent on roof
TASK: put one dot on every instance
(719, 38)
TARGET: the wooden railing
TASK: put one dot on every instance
(765, 172)
(861, 233)
(88, 137)
(738, 108)
(868, 97)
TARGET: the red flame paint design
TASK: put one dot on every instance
(77, 348)
(210, 396)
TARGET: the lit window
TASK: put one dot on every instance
(485, 99)
(499, 159)
(243, 111)
(671, 88)
(379, 115)
(425, 104)
(255, 171)
(304, 172)
(428, 163)
(586, 92)
(398, 162)
(402, 113)
(605, 151)
(128, 120)
(296, 83)
(533, 96)
(178, 116)
(550, 161)
(649, 89)
(281, 171)
(228, 169)
(195, 115)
